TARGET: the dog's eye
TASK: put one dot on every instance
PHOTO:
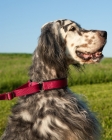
(72, 28)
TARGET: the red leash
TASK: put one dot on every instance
(34, 87)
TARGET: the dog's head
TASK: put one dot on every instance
(65, 39)
(83, 46)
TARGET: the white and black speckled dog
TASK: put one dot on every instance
(57, 114)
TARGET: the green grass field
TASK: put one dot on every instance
(95, 84)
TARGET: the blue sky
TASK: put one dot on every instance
(21, 20)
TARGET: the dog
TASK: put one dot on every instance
(58, 114)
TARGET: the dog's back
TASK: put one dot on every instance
(51, 115)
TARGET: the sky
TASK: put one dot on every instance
(21, 20)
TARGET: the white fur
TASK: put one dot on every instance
(26, 115)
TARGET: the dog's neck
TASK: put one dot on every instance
(40, 72)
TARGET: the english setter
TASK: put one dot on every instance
(57, 114)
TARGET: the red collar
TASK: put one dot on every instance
(34, 87)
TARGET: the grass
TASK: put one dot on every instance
(13, 73)
(93, 73)
(13, 70)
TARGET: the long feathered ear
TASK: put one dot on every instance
(51, 47)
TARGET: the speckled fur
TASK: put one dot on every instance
(55, 114)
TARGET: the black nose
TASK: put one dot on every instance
(103, 34)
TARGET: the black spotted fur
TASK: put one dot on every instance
(55, 114)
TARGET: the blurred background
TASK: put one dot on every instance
(20, 24)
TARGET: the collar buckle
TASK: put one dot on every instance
(10, 95)
(40, 86)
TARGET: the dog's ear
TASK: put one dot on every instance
(51, 47)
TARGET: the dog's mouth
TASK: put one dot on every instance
(95, 56)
